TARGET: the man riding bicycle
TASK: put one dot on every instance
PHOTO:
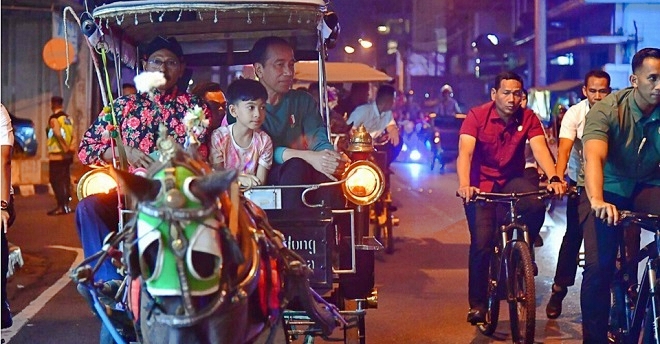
(569, 155)
(377, 118)
(491, 159)
(622, 152)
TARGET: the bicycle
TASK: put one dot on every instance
(635, 306)
(511, 270)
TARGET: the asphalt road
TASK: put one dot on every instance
(422, 286)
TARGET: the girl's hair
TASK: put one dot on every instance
(244, 90)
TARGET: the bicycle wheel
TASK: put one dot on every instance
(651, 327)
(618, 322)
(522, 307)
(493, 311)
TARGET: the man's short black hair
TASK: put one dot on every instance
(161, 42)
(259, 52)
(56, 100)
(243, 90)
(642, 55)
(508, 75)
(385, 91)
(127, 85)
(597, 73)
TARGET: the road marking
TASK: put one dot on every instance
(22, 318)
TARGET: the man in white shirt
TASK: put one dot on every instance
(377, 118)
(6, 205)
(596, 87)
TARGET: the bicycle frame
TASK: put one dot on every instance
(506, 244)
(647, 296)
(512, 252)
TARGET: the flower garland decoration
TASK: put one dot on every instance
(148, 82)
(195, 122)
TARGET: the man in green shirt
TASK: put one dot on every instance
(302, 152)
(622, 152)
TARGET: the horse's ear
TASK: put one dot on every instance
(143, 189)
(210, 186)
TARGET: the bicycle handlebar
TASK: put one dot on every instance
(507, 197)
(515, 196)
(647, 221)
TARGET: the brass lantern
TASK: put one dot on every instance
(361, 141)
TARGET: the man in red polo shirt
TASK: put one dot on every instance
(491, 158)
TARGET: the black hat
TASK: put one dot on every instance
(161, 42)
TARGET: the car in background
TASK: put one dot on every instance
(25, 137)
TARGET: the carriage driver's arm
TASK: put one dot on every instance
(466, 144)
(135, 157)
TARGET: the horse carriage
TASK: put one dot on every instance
(254, 263)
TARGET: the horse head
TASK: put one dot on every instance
(196, 269)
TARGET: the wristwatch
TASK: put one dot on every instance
(4, 205)
(554, 179)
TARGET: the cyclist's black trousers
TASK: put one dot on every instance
(600, 245)
(577, 212)
(482, 224)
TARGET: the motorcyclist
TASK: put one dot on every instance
(447, 106)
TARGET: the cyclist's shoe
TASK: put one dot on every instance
(476, 316)
(553, 309)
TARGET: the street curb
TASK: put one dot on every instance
(32, 189)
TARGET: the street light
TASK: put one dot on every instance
(365, 43)
(349, 50)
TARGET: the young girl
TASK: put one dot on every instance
(242, 145)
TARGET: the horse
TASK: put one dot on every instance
(211, 267)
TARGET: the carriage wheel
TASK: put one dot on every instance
(522, 308)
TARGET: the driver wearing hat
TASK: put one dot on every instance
(137, 117)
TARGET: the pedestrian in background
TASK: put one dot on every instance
(6, 204)
(60, 156)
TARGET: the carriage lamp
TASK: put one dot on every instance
(95, 181)
(364, 182)
(361, 144)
